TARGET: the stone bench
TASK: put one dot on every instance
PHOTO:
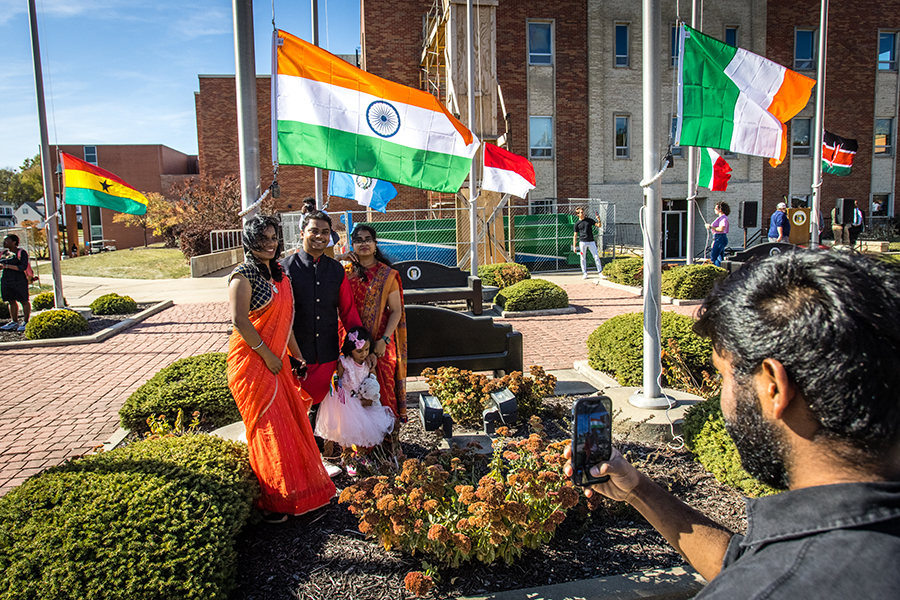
(873, 246)
(426, 281)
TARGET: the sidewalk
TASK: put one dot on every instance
(61, 402)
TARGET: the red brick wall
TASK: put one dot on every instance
(850, 86)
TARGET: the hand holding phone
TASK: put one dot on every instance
(591, 437)
(298, 367)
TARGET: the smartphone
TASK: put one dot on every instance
(297, 367)
(591, 437)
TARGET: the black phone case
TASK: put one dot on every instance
(298, 367)
(590, 479)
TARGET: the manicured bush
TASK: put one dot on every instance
(705, 436)
(617, 346)
(4, 310)
(156, 519)
(532, 294)
(44, 301)
(113, 304)
(196, 383)
(55, 324)
(503, 274)
(625, 271)
(691, 282)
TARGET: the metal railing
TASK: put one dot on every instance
(221, 240)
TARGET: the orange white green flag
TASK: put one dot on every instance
(334, 116)
(735, 100)
(89, 185)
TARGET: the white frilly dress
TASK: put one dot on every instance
(342, 417)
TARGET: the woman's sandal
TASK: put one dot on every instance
(274, 517)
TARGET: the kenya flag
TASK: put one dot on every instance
(837, 154)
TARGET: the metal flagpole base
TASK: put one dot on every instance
(641, 401)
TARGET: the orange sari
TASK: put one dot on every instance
(371, 299)
(283, 453)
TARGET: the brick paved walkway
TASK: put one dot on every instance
(62, 402)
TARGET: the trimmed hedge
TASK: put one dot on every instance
(197, 383)
(625, 271)
(55, 323)
(705, 436)
(691, 282)
(503, 274)
(113, 304)
(617, 346)
(156, 519)
(45, 301)
(532, 294)
(4, 310)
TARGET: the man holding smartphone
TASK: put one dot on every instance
(809, 351)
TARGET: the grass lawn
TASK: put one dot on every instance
(154, 262)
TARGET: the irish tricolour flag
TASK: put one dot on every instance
(714, 171)
(734, 99)
(334, 116)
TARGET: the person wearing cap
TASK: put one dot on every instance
(780, 225)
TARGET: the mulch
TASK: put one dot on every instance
(323, 555)
(95, 324)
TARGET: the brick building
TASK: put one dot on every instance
(148, 168)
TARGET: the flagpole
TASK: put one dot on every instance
(814, 224)
(46, 172)
(692, 166)
(473, 197)
(248, 120)
(317, 172)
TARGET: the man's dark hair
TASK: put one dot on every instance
(309, 205)
(13, 237)
(318, 215)
(831, 319)
(252, 235)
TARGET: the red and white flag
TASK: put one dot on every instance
(506, 172)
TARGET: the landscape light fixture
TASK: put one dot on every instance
(491, 419)
(431, 412)
(506, 404)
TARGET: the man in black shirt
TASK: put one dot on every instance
(583, 240)
(14, 283)
(809, 352)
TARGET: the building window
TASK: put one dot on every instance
(621, 45)
(541, 135)
(676, 150)
(884, 135)
(673, 46)
(887, 51)
(540, 44)
(800, 129)
(731, 36)
(805, 50)
(622, 149)
(541, 206)
(90, 155)
(881, 205)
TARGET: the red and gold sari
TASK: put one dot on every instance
(371, 299)
(283, 453)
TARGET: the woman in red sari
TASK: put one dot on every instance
(378, 295)
(283, 453)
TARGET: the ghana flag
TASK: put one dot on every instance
(89, 185)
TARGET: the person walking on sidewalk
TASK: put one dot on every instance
(14, 283)
(584, 238)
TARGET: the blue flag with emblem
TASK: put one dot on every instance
(373, 193)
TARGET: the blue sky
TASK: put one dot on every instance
(125, 71)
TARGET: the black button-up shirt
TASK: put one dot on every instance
(838, 541)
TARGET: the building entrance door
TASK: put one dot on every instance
(674, 233)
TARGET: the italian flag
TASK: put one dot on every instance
(90, 185)
(714, 171)
(734, 99)
(334, 116)
(506, 172)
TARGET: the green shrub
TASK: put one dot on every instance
(503, 274)
(4, 310)
(625, 271)
(691, 282)
(156, 519)
(617, 346)
(44, 301)
(705, 436)
(532, 294)
(55, 323)
(196, 383)
(113, 304)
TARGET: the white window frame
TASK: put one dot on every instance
(622, 61)
(88, 151)
(886, 149)
(888, 208)
(800, 150)
(676, 150)
(541, 206)
(891, 64)
(805, 64)
(535, 151)
(622, 152)
(531, 54)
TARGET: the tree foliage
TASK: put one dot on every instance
(158, 209)
(24, 185)
(38, 238)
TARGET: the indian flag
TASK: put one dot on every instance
(714, 171)
(734, 99)
(334, 116)
(89, 185)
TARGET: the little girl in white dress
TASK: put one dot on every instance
(352, 415)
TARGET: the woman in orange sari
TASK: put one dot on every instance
(283, 453)
(378, 295)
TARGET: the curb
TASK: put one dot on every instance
(637, 291)
(90, 339)
(515, 314)
(676, 583)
